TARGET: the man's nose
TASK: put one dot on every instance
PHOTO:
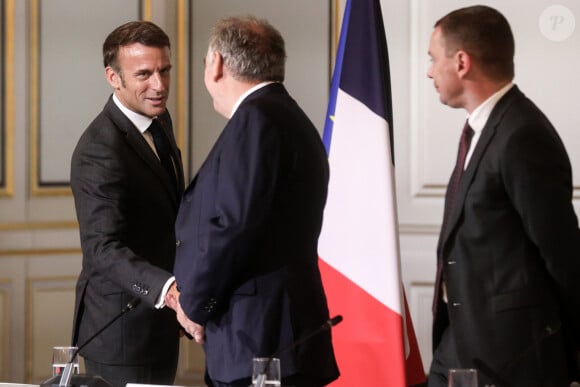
(157, 81)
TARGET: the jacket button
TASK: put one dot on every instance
(178, 243)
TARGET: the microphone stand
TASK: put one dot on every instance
(67, 373)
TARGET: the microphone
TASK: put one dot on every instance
(261, 379)
(327, 325)
(65, 378)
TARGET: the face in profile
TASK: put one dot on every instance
(142, 84)
(444, 71)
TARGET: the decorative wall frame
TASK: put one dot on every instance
(549, 82)
(6, 289)
(6, 97)
(67, 89)
(47, 298)
(2, 95)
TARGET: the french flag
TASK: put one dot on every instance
(359, 245)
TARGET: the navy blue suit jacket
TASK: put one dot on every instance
(247, 230)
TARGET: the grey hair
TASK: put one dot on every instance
(252, 49)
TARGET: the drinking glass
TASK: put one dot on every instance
(266, 372)
(60, 357)
(462, 377)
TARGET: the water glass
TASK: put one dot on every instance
(463, 377)
(60, 357)
(266, 372)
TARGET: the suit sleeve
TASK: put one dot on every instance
(234, 192)
(99, 180)
(537, 175)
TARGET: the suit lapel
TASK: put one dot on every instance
(487, 134)
(136, 141)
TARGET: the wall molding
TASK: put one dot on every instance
(6, 291)
(37, 287)
(38, 187)
(7, 127)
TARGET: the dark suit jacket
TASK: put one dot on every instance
(512, 252)
(126, 208)
(248, 226)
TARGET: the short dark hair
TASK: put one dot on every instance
(252, 49)
(485, 34)
(144, 32)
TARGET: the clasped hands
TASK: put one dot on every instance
(195, 330)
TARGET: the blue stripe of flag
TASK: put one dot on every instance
(362, 64)
(329, 123)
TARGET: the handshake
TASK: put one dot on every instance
(193, 330)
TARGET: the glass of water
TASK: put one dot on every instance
(60, 357)
(266, 372)
(463, 377)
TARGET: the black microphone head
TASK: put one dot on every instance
(335, 320)
(133, 303)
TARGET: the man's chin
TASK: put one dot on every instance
(156, 111)
(445, 101)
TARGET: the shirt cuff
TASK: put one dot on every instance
(161, 300)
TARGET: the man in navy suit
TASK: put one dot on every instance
(126, 204)
(508, 302)
(248, 225)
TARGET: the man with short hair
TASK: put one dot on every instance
(127, 180)
(506, 296)
(248, 225)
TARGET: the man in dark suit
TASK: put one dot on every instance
(248, 225)
(507, 300)
(126, 204)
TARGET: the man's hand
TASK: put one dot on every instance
(194, 329)
(172, 297)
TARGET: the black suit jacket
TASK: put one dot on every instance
(126, 208)
(511, 252)
(248, 227)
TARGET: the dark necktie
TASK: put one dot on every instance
(163, 148)
(453, 187)
(450, 197)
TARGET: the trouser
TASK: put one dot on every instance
(444, 358)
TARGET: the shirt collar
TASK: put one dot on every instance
(478, 118)
(140, 121)
(248, 92)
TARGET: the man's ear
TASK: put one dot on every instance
(462, 63)
(113, 78)
(216, 66)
